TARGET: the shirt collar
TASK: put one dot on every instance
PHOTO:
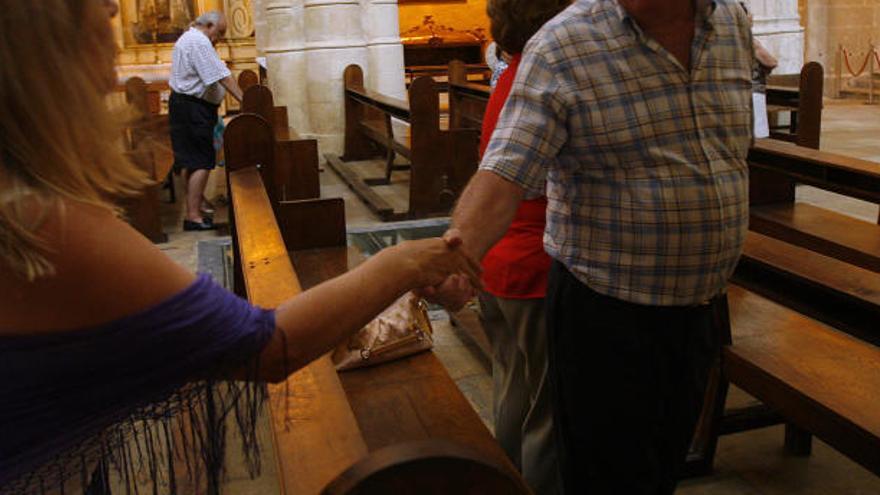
(199, 31)
(704, 8)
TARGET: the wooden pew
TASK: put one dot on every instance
(142, 139)
(804, 104)
(143, 211)
(384, 429)
(819, 379)
(441, 161)
(150, 93)
(248, 78)
(475, 73)
(467, 100)
(297, 172)
(819, 263)
(776, 168)
(839, 294)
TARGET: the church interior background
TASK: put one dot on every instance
(304, 46)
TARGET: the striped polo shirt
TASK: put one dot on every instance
(644, 159)
(196, 68)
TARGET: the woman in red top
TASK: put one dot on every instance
(515, 281)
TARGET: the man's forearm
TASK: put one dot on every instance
(231, 85)
(484, 211)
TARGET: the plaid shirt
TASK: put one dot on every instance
(644, 162)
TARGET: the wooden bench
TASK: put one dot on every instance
(775, 169)
(247, 79)
(441, 161)
(296, 158)
(467, 100)
(840, 294)
(822, 264)
(143, 212)
(144, 139)
(402, 427)
(475, 73)
(818, 378)
(804, 105)
(151, 93)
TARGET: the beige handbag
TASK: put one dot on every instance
(401, 330)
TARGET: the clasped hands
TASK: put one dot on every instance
(454, 292)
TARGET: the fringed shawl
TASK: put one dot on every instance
(137, 395)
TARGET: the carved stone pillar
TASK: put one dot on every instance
(261, 27)
(334, 39)
(286, 59)
(308, 44)
(384, 49)
(777, 25)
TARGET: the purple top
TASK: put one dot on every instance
(64, 396)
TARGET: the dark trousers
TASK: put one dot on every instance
(628, 384)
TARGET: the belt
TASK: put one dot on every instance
(194, 99)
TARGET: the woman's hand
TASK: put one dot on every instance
(429, 262)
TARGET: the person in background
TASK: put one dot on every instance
(636, 114)
(103, 338)
(199, 81)
(764, 64)
(497, 61)
(515, 283)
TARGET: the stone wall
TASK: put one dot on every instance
(832, 23)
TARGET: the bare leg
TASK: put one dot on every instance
(195, 189)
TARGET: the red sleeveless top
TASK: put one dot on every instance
(517, 266)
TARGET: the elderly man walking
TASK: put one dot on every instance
(636, 114)
(199, 81)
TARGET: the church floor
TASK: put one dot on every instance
(751, 463)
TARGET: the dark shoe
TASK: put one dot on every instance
(189, 225)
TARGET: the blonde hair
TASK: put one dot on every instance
(58, 140)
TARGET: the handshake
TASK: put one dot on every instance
(456, 287)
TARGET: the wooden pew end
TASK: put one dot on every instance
(312, 223)
(427, 467)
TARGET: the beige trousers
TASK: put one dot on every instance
(522, 405)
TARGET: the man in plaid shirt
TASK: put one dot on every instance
(635, 117)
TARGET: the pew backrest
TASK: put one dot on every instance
(442, 160)
(136, 96)
(776, 166)
(467, 100)
(806, 101)
(259, 100)
(247, 79)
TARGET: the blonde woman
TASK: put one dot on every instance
(100, 331)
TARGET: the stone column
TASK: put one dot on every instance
(777, 25)
(334, 39)
(286, 59)
(261, 27)
(384, 49)
(308, 44)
